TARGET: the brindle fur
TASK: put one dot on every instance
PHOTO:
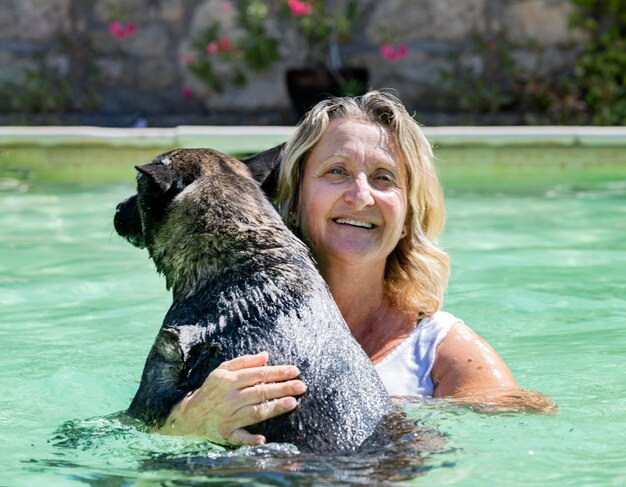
(243, 283)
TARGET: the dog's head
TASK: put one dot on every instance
(159, 181)
(191, 208)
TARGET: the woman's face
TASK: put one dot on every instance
(353, 203)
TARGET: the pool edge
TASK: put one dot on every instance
(253, 138)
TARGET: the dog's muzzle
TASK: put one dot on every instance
(127, 222)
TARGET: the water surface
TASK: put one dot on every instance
(539, 258)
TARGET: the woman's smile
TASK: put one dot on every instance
(354, 223)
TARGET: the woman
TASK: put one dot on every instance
(359, 186)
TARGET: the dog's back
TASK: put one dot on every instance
(242, 284)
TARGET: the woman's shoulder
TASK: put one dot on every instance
(465, 361)
(460, 340)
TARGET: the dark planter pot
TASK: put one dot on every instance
(307, 86)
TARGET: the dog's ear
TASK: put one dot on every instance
(264, 167)
(161, 175)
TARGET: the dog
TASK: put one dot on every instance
(243, 283)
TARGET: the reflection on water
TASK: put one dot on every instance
(80, 445)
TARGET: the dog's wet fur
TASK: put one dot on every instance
(243, 283)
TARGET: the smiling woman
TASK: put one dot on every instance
(416, 271)
(352, 206)
(358, 183)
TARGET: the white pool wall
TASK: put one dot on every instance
(248, 139)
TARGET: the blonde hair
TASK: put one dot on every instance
(416, 273)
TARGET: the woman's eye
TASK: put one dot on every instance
(384, 178)
(335, 170)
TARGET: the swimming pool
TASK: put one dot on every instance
(537, 240)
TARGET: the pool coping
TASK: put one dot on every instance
(244, 139)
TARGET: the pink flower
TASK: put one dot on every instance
(225, 44)
(393, 54)
(227, 7)
(402, 51)
(299, 8)
(118, 30)
(387, 51)
(212, 48)
(186, 92)
(187, 60)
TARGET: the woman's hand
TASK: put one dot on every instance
(239, 393)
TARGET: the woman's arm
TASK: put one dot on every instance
(468, 370)
(239, 393)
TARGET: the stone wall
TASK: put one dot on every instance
(144, 72)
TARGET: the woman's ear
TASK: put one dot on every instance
(408, 223)
(294, 216)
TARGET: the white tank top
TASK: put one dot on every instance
(406, 370)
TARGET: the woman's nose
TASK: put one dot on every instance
(359, 194)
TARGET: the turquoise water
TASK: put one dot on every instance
(538, 270)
